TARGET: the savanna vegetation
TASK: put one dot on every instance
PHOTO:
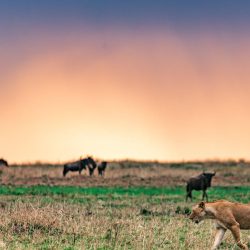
(40, 209)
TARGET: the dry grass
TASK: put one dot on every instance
(128, 174)
(109, 222)
(30, 223)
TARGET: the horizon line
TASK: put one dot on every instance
(215, 159)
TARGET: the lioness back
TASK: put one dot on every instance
(240, 212)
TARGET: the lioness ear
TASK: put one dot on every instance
(202, 204)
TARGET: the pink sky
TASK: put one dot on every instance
(126, 95)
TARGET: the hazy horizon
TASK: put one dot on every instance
(98, 159)
(166, 81)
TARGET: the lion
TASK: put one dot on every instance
(227, 215)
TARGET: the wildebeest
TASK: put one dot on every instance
(200, 182)
(91, 166)
(101, 168)
(78, 165)
(3, 162)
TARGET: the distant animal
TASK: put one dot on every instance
(227, 215)
(76, 166)
(200, 182)
(91, 166)
(101, 168)
(3, 162)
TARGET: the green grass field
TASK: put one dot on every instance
(54, 217)
(171, 194)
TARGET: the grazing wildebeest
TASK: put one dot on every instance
(200, 182)
(3, 162)
(91, 166)
(101, 168)
(75, 166)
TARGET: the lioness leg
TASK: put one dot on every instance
(235, 229)
(218, 237)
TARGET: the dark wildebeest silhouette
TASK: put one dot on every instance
(101, 168)
(77, 166)
(91, 166)
(3, 162)
(200, 182)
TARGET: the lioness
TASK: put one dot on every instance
(228, 215)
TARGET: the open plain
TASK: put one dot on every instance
(135, 206)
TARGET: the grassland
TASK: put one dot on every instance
(128, 174)
(166, 194)
(59, 217)
(136, 206)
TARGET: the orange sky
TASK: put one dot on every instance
(125, 95)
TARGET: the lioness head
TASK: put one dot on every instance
(198, 212)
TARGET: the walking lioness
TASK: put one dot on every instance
(227, 215)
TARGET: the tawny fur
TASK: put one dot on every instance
(227, 215)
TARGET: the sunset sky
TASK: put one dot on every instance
(139, 79)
